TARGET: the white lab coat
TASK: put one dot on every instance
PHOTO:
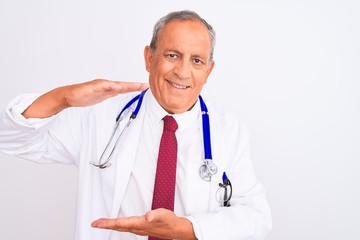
(79, 135)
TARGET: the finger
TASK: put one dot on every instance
(130, 224)
(105, 223)
(127, 87)
(121, 224)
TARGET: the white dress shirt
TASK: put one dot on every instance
(142, 178)
(79, 135)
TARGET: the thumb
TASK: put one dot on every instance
(158, 215)
(150, 216)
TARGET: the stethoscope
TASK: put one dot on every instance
(206, 170)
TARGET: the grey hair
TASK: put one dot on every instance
(181, 16)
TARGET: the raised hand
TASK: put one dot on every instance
(78, 95)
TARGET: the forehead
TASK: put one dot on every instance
(185, 35)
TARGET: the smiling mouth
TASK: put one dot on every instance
(177, 86)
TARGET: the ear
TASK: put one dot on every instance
(148, 58)
(211, 66)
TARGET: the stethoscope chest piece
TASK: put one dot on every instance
(207, 170)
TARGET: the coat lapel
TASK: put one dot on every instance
(125, 161)
(218, 145)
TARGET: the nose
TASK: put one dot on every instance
(183, 69)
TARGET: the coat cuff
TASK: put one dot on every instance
(196, 227)
(17, 106)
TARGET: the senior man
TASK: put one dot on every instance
(147, 181)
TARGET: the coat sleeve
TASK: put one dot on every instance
(45, 140)
(249, 216)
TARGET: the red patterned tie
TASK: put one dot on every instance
(164, 189)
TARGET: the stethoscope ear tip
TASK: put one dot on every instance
(104, 166)
(101, 166)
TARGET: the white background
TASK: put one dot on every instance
(289, 69)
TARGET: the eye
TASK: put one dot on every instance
(197, 61)
(172, 55)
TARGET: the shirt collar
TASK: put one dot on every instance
(156, 113)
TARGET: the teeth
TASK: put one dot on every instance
(178, 86)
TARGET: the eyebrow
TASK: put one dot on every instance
(172, 50)
(178, 52)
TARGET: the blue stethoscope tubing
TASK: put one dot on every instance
(207, 169)
(139, 97)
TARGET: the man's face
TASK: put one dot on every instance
(180, 65)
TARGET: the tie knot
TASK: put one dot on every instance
(170, 124)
